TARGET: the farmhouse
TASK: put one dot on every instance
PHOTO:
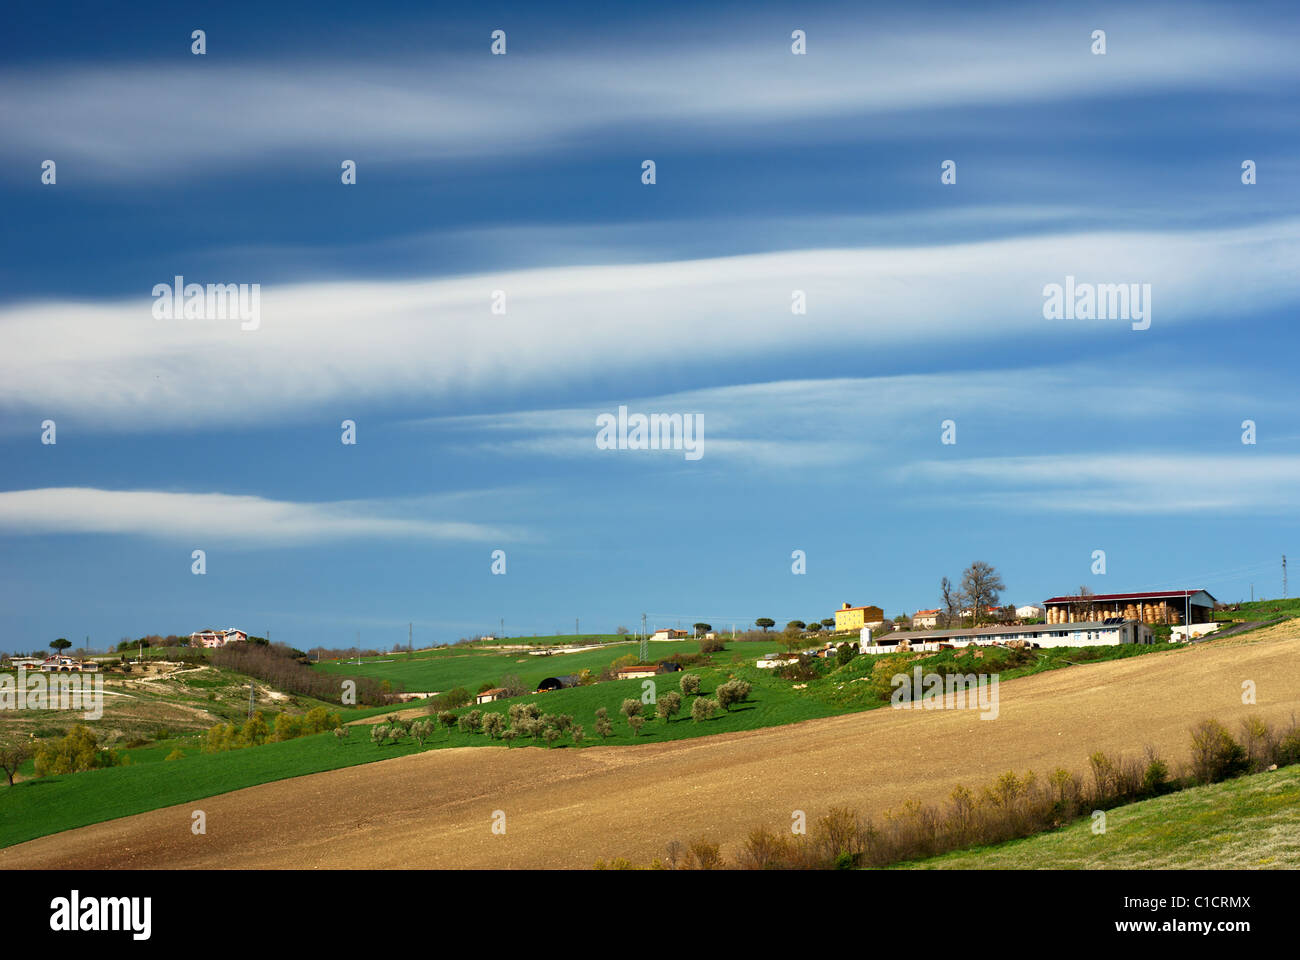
(637, 671)
(217, 638)
(925, 619)
(62, 664)
(849, 618)
(487, 696)
(1170, 606)
(1029, 612)
(1094, 633)
(669, 634)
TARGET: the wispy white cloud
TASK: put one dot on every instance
(213, 112)
(1130, 482)
(826, 423)
(346, 344)
(200, 519)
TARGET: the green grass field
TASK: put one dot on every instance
(1248, 823)
(448, 667)
(1261, 610)
(35, 807)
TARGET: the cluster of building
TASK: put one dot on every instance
(1066, 621)
(217, 638)
(56, 664)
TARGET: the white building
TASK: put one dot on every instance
(1181, 632)
(1097, 633)
(775, 659)
(1029, 612)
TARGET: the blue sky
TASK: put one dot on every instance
(522, 173)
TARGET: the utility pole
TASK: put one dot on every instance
(410, 634)
(250, 699)
(1284, 576)
(645, 641)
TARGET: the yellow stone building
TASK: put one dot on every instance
(851, 619)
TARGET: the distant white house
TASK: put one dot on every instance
(487, 696)
(1029, 612)
(925, 619)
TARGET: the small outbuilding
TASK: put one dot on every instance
(558, 683)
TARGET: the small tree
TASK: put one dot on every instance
(59, 645)
(949, 603)
(737, 692)
(726, 695)
(551, 734)
(448, 720)
(513, 686)
(690, 684)
(631, 708)
(422, 730)
(577, 733)
(702, 709)
(11, 758)
(342, 733)
(702, 628)
(493, 724)
(668, 705)
(635, 723)
(981, 587)
(379, 733)
(765, 622)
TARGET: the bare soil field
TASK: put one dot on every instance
(566, 808)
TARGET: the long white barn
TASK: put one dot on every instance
(1095, 633)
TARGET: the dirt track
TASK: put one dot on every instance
(567, 808)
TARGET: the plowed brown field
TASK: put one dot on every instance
(567, 808)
